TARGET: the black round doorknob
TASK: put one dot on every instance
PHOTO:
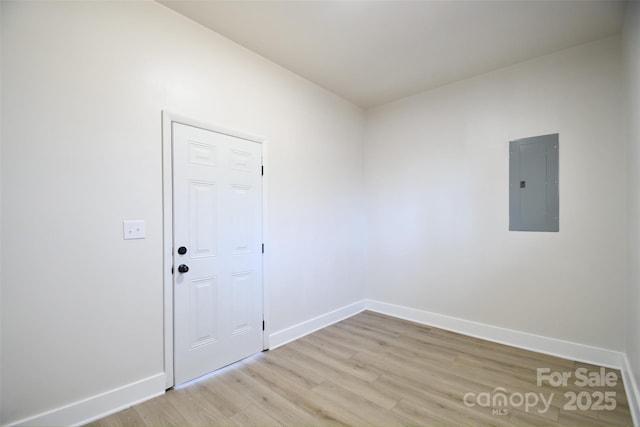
(182, 250)
(183, 268)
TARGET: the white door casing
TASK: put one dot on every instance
(217, 218)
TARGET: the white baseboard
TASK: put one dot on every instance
(301, 329)
(100, 405)
(552, 346)
(632, 391)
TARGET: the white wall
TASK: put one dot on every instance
(83, 87)
(436, 176)
(631, 38)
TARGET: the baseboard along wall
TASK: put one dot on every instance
(551, 346)
(100, 405)
(103, 404)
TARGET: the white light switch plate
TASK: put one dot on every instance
(133, 229)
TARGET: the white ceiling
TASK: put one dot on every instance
(372, 52)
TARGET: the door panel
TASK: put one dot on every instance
(203, 218)
(241, 210)
(204, 299)
(218, 218)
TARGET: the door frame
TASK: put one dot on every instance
(167, 228)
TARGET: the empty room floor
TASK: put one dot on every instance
(372, 369)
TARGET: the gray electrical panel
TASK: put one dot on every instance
(533, 184)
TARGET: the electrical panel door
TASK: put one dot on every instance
(533, 184)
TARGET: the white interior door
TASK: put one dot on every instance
(217, 281)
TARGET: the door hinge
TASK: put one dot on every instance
(262, 170)
(263, 325)
(172, 270)
(263, 248)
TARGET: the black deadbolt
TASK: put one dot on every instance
(183, 268)
(523, 184)
(182, 250)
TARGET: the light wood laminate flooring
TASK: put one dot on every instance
(372, 369)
